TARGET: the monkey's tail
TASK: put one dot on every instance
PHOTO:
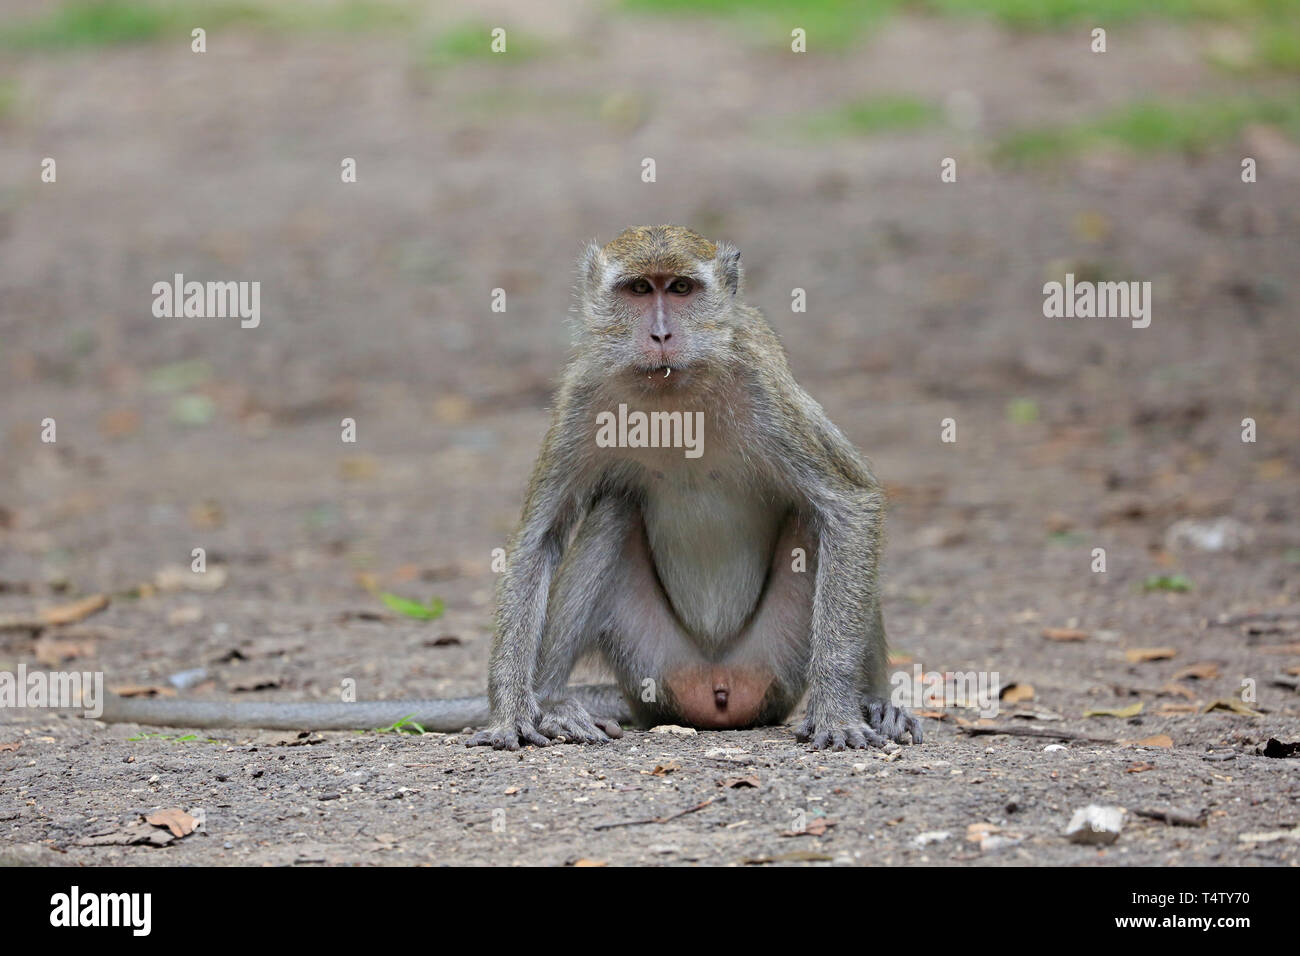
(445, 715)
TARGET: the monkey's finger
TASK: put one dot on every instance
(529, 733)
(864, 737)
(914, 728)
(611, 728)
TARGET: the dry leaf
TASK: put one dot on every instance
(132, 834)
(1293, 648)
(76, 611)
(11, 746)
(1166, 709)
(178, 577)
(174, 819)
(1064, 634)
(53, 652)
(1132, 710)
(1157, 740)
(798, 856)
(255, 682)
(1177, 690)
(143, 690)
(816, 827)
(1015, 693)
(1139, 655)
(119, 422)
(735, 783)
(664, 769)
(206, 515)
(191, 614)
(1139, 767)
(358, 468)
(1205, 670)
(1231, 704)
(933, 714)
(586, 862)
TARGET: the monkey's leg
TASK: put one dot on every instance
(575, 608)
(847, 653)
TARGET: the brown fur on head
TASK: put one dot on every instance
(658, 299)
(674, 249)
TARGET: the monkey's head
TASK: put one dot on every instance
(657, 301)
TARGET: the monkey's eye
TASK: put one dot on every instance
(639, 287)
(681, 286)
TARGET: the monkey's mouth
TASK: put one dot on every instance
(663, 376)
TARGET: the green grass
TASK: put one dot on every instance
(1052, 14)
(878, 114)
(403, 726)
(87, 23)
(1167, 582)
(1153, 127)
(473, 41)
(1277, 47)
(423, 612)
(833, 23)
(8, 96)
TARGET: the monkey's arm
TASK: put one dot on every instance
(445, 715)
(847, 645)
(550, 511)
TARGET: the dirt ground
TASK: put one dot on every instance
(924, 302)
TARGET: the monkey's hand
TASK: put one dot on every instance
(509, 736)
(890, 721)
(567, 721)
(837, 734)
(512, 732)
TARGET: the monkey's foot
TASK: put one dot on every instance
(837, 734)
(890, 721)
(508, 736)
(567, 721)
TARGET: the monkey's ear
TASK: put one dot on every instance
(729, 272)
(591, 265)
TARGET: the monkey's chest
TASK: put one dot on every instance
(712, 547)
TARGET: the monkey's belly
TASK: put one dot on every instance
(711, 548)
(718, 696)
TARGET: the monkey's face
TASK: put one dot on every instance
(659, 304)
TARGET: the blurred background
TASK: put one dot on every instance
(478, 171)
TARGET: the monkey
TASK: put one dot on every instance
(721, 582)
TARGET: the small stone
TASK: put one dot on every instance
(1095, 825)
(1220, 534)
(674, 729)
